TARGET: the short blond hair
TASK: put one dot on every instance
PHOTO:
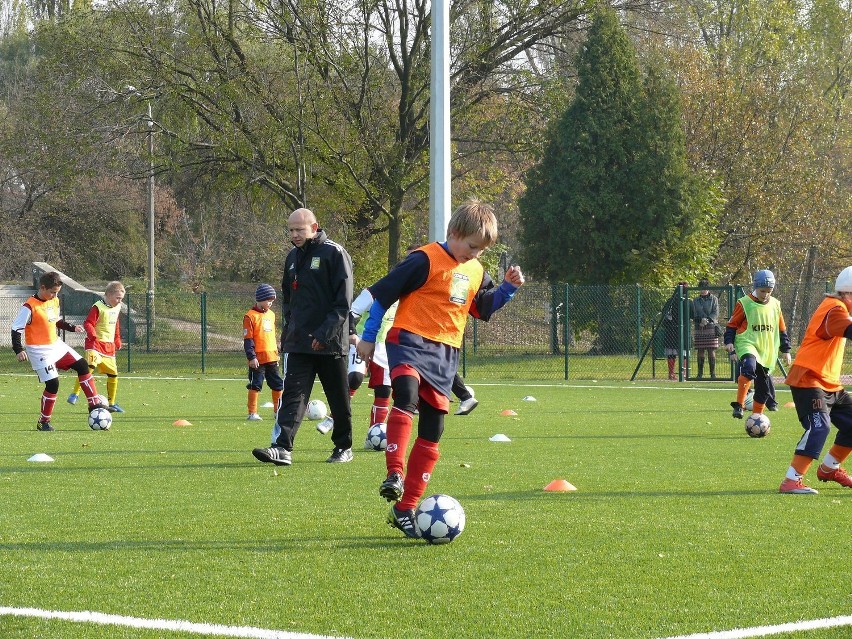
(113, 287)
(474, 218)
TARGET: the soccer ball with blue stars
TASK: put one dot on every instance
(440, 519)
(100, 419)
(377, 438)
(757, 425)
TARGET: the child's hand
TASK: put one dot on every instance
(365, 350)
(254, 364)
(22, 356)
(788, 359)
(514, 276)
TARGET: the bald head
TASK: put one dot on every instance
(303, 226)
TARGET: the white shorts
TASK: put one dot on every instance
(356, 364)
(43, 358)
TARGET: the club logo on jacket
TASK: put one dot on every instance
(315, 263)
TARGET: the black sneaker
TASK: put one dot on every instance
(391, 488)
(340, 456)
(273, 455)
(738, 410)
(403, 520)
(773, 406)
(44, 427)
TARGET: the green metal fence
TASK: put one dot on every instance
(548, 332)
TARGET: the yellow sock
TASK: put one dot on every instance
(112, 389)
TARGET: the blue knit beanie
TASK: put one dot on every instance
(264, 292)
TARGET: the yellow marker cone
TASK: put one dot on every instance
(181, 422)
(559, 486)
(790, 405)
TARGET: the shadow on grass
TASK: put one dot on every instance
(262, 545)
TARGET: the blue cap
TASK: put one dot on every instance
(764, 279)
(264, 292)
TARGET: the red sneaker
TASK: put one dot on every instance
(838, 474)
(796, 487)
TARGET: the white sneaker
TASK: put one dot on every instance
(254, 417)
(466, 407)
(325, 425)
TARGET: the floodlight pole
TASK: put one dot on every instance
(440, 179)
(150, 205)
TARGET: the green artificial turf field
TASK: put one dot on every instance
(676, 527)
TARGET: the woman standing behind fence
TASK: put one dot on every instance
(705, 318)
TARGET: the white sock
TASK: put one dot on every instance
(830, 462)
(793, 474)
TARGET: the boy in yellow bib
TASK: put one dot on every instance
(754, 335)
(103, 340)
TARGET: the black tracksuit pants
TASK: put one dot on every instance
(301, 371)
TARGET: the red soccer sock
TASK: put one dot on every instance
(424, 456)
(379, 411)
(47, 402)
(398, 435)
(87, 383)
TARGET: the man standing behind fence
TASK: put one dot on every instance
(316, 293)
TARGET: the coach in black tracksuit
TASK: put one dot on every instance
(316, 294)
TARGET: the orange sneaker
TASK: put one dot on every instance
(796, 487)
(838, 474)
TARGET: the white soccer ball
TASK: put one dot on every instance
(377, 437)
(100, 419)
(316, 410)
(440, 519)
(757, 425)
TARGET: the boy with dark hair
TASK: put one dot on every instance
(38, 321)
(437, 286)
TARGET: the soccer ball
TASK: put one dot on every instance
(100, 419)
(377, 438)
(316, 410)
(757, 425)
(440, 519)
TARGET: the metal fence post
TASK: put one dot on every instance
(638, 321)
(149, 318)
(565, 331)
(203, 330)
(131, 329)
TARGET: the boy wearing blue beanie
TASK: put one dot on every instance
(260, 346)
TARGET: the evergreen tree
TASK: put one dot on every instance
(612, 199)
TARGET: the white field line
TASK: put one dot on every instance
(765, 631)
(86, 616)
(262, 633)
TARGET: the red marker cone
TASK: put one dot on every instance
(559, 486)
